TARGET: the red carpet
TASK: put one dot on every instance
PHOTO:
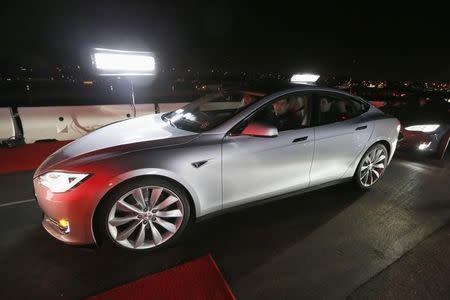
(198, 279)
(27, 157)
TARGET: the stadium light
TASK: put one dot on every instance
(110, 62)
(304, 78)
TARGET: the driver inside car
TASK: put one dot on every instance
(285, 118)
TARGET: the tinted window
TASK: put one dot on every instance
(286, 113)
(334, 108)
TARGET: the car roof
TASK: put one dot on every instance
(268, 88)
(265, 87)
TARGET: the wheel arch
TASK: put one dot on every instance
(360, 160)
(352, 170)
(189, 194)
(384, 143)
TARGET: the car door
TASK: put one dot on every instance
(255, 167)
(341, 133)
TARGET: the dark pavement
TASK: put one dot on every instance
(330, 243)
(422, 273)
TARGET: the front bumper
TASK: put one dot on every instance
(421, 142)
(74, 209)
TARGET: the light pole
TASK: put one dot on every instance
(133, 102)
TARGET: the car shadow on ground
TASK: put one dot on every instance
(246, 239)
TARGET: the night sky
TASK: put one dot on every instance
(371, 39)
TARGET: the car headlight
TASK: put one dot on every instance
(59, 182)
(423, 128)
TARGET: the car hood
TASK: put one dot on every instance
(140, 133)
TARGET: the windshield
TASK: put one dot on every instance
(211, 110)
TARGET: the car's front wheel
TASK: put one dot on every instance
(371, 167)
(144, 214)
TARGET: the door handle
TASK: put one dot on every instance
(361, 127)
(303, 138)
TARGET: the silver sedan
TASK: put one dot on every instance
(138, 183)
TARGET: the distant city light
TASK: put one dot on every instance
(304, 78)
(126, 63)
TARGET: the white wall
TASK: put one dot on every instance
(165, 107)
(7, 129)
(41, 123)
(44, 122)
(145, 109)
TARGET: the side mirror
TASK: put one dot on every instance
(260, 130)
(378, 104)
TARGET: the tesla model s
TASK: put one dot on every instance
(426, 126)
(139, 183)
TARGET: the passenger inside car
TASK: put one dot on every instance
(339, 110)
(326, 115)
(297, 109)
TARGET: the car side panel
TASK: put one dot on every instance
(174, 162)
(197, 167)
(256, 168)
(385, 130)
(337, 145)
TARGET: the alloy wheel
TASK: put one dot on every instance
(373, 166)
(145, 217)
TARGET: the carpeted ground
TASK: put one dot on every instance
(27, 157)
(197, 279)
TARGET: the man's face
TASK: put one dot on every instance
(247, 99)
(280, 107)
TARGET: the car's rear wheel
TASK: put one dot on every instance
(145, 214)
(371, 167)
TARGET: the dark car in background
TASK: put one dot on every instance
(425, 123)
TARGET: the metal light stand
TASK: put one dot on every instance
(133, 102)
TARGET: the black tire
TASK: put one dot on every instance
(357, 176)
(103, 235)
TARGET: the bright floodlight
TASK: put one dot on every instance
(123, 63)
(304, 78)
